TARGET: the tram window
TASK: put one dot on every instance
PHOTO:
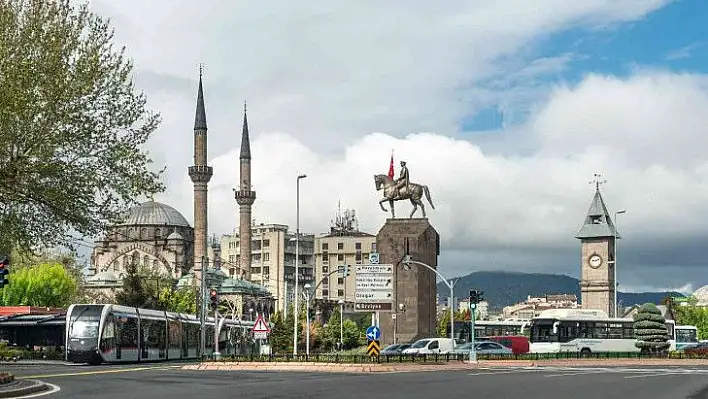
(108, 338)
(174, 334)
(127, 331)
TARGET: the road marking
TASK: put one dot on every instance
(95, 372)
(52, 389)
(502, 372)
(573, 373)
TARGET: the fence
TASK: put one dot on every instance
(447, 358)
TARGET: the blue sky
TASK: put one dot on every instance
(674, 37)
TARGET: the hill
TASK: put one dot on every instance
(507, 288)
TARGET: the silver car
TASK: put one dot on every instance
(484, 348)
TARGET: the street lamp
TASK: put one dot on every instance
(307, 294)
(407, 262)
(621, 211)
(297, 258)
(401, 310)
(341, 324)
(250, 313)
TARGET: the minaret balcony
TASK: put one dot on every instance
(200, 173)
(245, 197)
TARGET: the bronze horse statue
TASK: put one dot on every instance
(414, 192)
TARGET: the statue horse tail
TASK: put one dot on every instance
(427, 196)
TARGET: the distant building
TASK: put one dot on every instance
(345, 244)
(463, 305)
(533, 306)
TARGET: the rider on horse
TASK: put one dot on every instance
(402, 180)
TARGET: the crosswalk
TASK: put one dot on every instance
(560, 372)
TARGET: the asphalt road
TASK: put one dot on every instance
(158, 381)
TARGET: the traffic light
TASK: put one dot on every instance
(214, 299)
(4, 263)
(473, 297)
(347, 271)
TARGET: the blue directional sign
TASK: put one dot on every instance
(373, 333)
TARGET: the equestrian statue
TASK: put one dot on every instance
(402, 189)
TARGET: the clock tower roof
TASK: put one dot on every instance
(598, 222)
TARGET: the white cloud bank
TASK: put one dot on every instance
(332, 90)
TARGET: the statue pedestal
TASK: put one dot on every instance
(416, 288)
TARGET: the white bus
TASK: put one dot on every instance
(581, 330)
(684, 335)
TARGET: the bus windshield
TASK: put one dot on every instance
(686, 335)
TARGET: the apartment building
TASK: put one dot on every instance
(272, 260)
(343, 245)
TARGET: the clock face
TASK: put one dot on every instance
(595, 261)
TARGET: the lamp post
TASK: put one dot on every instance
(407, 262)
(621, 211)
(307, 294)
(401, 310)
(341, 324)
(297, 258)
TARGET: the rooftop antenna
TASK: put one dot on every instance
(597, 181)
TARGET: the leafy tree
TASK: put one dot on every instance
(47, 284)
(650, 329)
(71, 125)
(182, 300)
(352, 334)
(281, 335)
(136, 292)
(693, 316)
(444, 325)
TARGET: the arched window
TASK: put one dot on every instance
(146, 261)
(143, 233)
(136, 258)
(158, 233)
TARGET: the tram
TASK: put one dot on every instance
(110, 333)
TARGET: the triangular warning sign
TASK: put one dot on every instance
(261, 325)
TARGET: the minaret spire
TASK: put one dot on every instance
(200, 173)
(245, 139)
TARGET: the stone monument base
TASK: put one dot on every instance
(414, 305)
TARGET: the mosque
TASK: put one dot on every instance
(159, 238)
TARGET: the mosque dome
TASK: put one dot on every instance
(154, 213)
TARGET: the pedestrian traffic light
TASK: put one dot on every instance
(4, 263)
(214, 298)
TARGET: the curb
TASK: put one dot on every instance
(21, 388)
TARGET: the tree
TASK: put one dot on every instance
(650, 329)
(135, 291)
(47, 284)
(182, 300)
(444, 325)
(71, 126)
(693, 316)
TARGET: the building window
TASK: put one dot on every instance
(256, 270)
(325, 246)
(231, 259)
(340, 281)
(325, 269)
(231, 271)
(325, 282)
(340, 292)
(340, 246)
(325, 256)
(266, 270)
(340, 257)
(325, 292)
(358, 257)
(357, 246)
(266, 243)
(157, 233)
(266, 257)
(373, 247)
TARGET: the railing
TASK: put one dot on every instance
(447, 358)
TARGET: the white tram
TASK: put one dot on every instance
(120, 334)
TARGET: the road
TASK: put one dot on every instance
(156, 381)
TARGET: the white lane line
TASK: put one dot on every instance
(574, 373)
(503, 372)
(658, 375)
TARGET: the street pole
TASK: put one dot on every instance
(473, 315)
(296, 309)
(202, 309)
(621, 211)
(341, 324)
(216, 334)
(408, 261)
(307, 337)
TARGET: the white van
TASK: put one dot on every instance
(430, 346)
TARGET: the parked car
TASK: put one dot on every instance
(395, 349)
(517, 343)
(430, 346)
(484, 348)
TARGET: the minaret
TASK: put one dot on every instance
(597, 255)
(245, 198)
(200, 174)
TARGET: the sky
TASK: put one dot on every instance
(504, 108)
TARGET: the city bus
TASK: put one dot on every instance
(489, 328)
(683, 336)
(587, 331)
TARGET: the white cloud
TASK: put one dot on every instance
(320, 80)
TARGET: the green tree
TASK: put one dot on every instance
(693, 316)
(136, 292)
(72, 124)
(650, 329)
(47, 284)
(182, 300)
(444, 325)
(352, 334)
(329, 336)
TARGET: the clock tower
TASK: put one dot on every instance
(597, 256)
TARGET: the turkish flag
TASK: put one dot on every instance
(391, 172)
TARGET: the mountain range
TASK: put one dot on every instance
(507, 288)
